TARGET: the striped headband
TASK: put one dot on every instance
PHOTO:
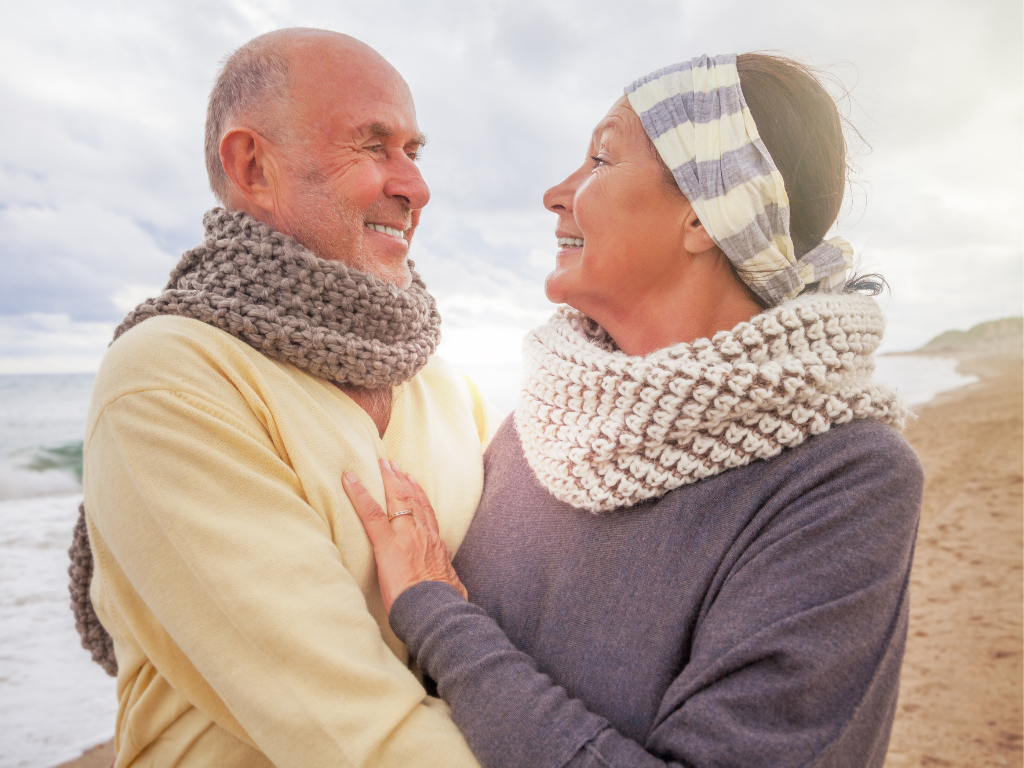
(696, 115)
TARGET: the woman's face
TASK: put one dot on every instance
(620, 225)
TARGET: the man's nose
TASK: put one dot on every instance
(406, 183)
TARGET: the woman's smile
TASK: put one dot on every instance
(570, 249)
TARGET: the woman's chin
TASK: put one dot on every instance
(555, 287)
(563, 282)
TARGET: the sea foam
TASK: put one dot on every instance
(54, 701)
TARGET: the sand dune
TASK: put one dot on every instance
(961, 693)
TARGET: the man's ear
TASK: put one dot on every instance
(251, 167)
(695, 238)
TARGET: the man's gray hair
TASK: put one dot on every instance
(254, 82)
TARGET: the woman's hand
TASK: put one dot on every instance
(407, 546)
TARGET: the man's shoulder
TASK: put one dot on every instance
(172, 334)
(171, 353)
(440, 376)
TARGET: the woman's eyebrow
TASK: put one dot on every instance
(610, 123)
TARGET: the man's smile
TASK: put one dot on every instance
(384, 229)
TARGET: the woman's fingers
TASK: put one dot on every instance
(408, 548)
(374, 519)
(421, 500)
(417, 502)
(397, 496)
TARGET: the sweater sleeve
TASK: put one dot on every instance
(795, 660)
(215, 565)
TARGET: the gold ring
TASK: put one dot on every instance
(399, 514)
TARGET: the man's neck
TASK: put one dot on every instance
(376, 402)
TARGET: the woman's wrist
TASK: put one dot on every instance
(418, 608)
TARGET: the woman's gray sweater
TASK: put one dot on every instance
(755, 618)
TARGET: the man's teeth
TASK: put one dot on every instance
(570, 242)
(387, 230)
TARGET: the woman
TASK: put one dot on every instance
(694, 542)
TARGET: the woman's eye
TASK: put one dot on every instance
(598, 162)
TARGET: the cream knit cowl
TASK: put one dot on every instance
(603, 430)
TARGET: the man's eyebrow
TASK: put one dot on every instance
(378, 130)
(381, 131)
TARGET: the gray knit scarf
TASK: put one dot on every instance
(268, 290)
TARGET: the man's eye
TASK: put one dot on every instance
(376, 148)
(598, 162)
(414, 155)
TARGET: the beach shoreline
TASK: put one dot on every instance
(961, 693)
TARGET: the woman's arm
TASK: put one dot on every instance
(795, 661)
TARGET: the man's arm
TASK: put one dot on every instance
(231, 584)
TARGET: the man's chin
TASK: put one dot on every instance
(401, 281)
(398, 274)
(391, 268)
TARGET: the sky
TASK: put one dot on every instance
(102, 182)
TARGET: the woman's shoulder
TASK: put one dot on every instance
(862, 477)
(865, 443)
(863, 461)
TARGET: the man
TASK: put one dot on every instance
(230, 569)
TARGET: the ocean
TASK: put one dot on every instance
(54, 701)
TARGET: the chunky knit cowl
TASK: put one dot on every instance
(268, 290)
(603, 430)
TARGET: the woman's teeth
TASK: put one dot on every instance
(570, 242)
(387, 230)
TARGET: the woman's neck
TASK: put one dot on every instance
(710, 299)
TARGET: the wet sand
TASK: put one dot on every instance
(961, 693)
(98, 757)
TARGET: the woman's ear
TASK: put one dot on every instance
(695, 238)
(250, 166)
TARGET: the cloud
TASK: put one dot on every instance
(102, 183)
(36, 342)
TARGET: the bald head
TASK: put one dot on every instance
(315, 134)
(266, 85)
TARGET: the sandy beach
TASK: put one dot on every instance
(961, 692)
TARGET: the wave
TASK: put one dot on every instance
(42, 471)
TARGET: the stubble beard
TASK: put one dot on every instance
(333, 230)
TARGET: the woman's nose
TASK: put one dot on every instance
(558, 199)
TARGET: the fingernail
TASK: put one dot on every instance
(384, 463)
(394, 466)
(412, 479)
(350, 477)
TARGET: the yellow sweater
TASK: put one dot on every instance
(230, 568)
